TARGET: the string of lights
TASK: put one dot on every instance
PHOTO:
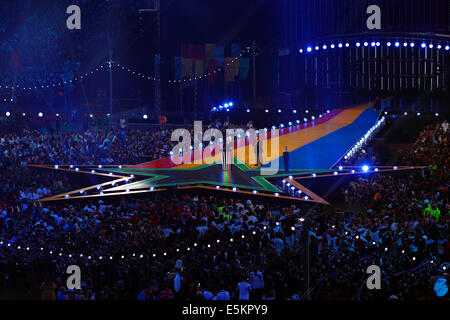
(373, 44)
(189, 79)
(55, 84)
(106, 66)
(365, 139)
(180, 250)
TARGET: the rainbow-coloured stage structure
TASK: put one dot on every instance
(315, 150)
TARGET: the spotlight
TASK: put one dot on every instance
(277, 194)
(56, 166)
(217, 187)
(91, 115)
(279, 110)
(340, 168)
(418, 114)
(266, 111)
(347, 45)
(439, 46)
(255, 192)
(8, 113)
(230, 104)
(447, 48)
(366, 44)
(24, 114)
(40, 114)
(234, 189)
(365, 168)
(294, 111)
(332, 46)
(301, 50)
(309, 49)
(436, 114)
(372, 44)
(397, 44)
(412, 44)
(395, 168)
(405, 44)
(358, 44)
(324, 47)
(423, 45)
(405, 113)
(248, 110)
(145, 116)
(388, 44)
(340, 45)
(430, 46)
(377, 44)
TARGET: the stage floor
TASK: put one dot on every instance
(315, 145)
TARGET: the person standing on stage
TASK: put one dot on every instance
(286, 159)
(257, 145)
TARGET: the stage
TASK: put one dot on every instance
(315, 150)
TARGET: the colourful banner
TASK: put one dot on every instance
(244, 67)
(235, 66)
(187, 51)
(219, 54)
(178, 63)
(186, 70)
(229, 71)
(236, 50)
(209, 51)
(199, 67)
(212, 66)
(198, 52)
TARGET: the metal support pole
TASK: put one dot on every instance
(254, 69)
(110, 84)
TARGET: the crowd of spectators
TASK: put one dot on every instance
(91, 146)
(203, 247)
